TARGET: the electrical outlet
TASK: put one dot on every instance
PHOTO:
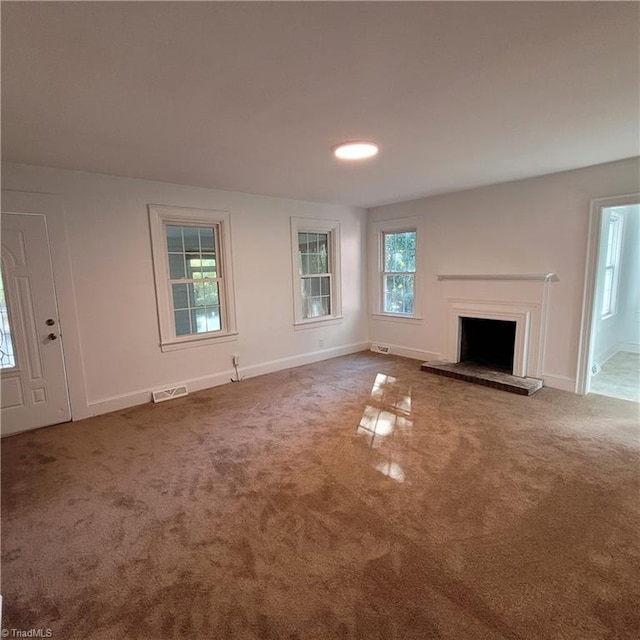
(236, 360)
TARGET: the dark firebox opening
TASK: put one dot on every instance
(489, 343)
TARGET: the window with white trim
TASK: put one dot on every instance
(399, 271)
(396, 271)
(611, 270)
(316, 270)
(194, 284)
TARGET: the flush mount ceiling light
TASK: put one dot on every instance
(355, 150)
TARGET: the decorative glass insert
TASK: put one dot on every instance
(7, 355)
(315, 274)
(194, 278)
(399, 272)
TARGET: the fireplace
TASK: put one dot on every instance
(488, 343)
(514, 305)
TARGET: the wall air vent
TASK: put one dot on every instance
(168, 394)
(380, 348)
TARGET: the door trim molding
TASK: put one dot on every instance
(52, 207)
(585, 348)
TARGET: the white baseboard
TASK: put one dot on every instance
(629, 347)
(302, 359)
(142, 396)
(564, 383)
(407, 352)
(605, 355)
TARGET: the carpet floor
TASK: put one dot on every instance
(356, 498)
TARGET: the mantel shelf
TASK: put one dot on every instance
(543, 277)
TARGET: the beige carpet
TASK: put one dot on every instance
(358, 498)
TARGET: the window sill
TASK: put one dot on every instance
(316, 322)
(394, 317)
(177, 345)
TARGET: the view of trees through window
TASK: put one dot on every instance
(399, 272)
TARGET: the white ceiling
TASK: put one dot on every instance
(251, 96)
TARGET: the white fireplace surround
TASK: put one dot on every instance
(523, 299)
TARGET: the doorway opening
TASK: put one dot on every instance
(614, 351)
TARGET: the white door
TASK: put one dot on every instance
(34, 383)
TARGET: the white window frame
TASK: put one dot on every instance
(376, 259)
(332, 229)
(613, 225)
(159, 217)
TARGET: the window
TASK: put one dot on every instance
(613, 245)
(316, 270)
(315, 274)
(396, 269)
(193, 276)
(399, 272)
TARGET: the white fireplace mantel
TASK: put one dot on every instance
(544, 277)
(520, 298)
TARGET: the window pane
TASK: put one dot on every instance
(315, 308)
(306, 289)
(389, 248)
(314, 266)
(192, 294)
(326, 285)
(315, 286)
(215, 292)
(323, 244)
(199, 294)
(390, 242)
(191, 239)
(209, 265)
(302, 242)
(194, 268)
(326, 305)
(174, 238)
(304, 264)
(7, 357)
(180, 296)
(323, 263)
(411, 251)
(199, 320)
(393, 294)
(210, 293)
(206, 239)
(176, 266)
(213, 319)
(313, 242)
(183, 323)
(607, 296)
(407, 302)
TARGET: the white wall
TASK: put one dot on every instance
(539, 225)
(108, 309)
